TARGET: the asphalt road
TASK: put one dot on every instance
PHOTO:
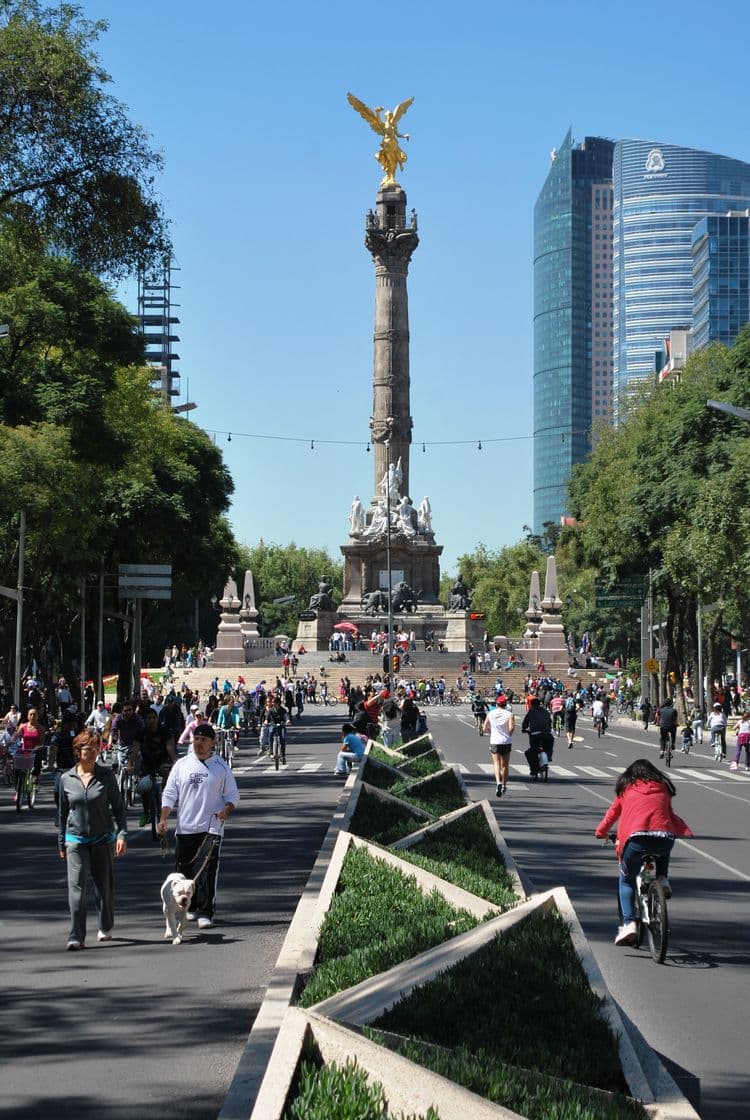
(137, 1028)
(693, 1010)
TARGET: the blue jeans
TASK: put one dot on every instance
(630, 865)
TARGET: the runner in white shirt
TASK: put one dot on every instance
(501, 724)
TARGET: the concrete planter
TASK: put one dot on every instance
(282, 1033)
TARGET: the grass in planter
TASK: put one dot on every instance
(416, 746)
(524, 999)
(465, 853)
(442, 795)
(382, 822)
(333, 1092)
(378, 919)
(423, 765)
(383, 756)
(376, 776)
(536, 1096)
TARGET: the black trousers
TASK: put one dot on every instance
(187, 848)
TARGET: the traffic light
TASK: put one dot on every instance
(395, 663)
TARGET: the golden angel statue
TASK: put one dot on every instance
(391, 155)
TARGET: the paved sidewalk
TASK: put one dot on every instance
(137, 1028)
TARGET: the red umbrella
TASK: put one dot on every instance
(347, 626)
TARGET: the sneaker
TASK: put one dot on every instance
(665, 883)
(283, 760)
(661, 755)
(627, 934)
(205, 923)
(191, 915)
(73, 946)
(142, 820)
(104, 936)
(499, 791)
(733, 766)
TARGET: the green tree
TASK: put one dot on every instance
(499, 582)
(280, 571)
(74, 170)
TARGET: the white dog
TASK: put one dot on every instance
(176, 896)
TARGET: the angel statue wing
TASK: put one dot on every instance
(372, 118)
(399, 111)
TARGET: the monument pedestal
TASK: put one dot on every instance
(416, 561)
(230, 644)
(460, 630)
(314, 633)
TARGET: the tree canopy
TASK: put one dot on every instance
(280, 571)
(75, 172)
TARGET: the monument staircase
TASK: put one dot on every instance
(357, 667)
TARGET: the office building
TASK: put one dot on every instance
(661, 192)
(572, 316)
(721, 278)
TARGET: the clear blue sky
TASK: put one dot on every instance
(268, 176)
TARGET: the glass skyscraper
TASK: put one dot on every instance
(721, 278)
(661, 192)
(572, 315)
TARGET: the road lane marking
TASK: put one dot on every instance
(311, 767)
(719, 863)
(703, 775)
(594, 772)
(562, 770)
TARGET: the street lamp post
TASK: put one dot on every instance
(388, 554)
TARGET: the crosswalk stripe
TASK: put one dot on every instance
(561, 770)
(594, 771)
(702, 774)
(519, 769)
(486, 767)
(311, 767)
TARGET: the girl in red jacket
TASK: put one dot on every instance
(643, 806)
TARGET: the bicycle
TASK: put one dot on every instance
(278, 744)
(480, 717)
(25, 780)
(600, 723)
(224, 745)
(126, 780)
(651, 908)
(667, 746)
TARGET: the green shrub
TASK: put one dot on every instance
(525, 1000)
(376, 775)
(464, 852)
(383, 756)
(378, 918)
(382, 821)
(442, 795)
(417, 746)
(534, 1095)
(334, 1092)
(422, 766)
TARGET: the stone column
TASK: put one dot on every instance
(391, 242)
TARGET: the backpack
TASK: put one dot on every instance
(570, 704)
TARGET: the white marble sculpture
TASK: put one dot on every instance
(405, 511)
(379, 523)
(357, 517)
(424, 515)
(391, 481)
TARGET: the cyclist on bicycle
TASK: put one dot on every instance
(276, 718)
(599, 714)
(125, 737)
(667, 725)
(157, 756)
(538, 726)
(648, 826)
(717, 725)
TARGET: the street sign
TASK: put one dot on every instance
(145, 581)
(630, 602)
(652, 665)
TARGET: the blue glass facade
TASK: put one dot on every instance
(572, 315)
(721, 278)
(661, 192)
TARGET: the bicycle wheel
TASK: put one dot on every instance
(20, 779)
(276, 750)
(658, 923)
(668, 756)
(131, 790)
(30, 791)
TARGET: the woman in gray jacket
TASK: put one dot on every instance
(90, 805)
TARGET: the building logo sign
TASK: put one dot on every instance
(655, 165)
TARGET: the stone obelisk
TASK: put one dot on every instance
(391, 241)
